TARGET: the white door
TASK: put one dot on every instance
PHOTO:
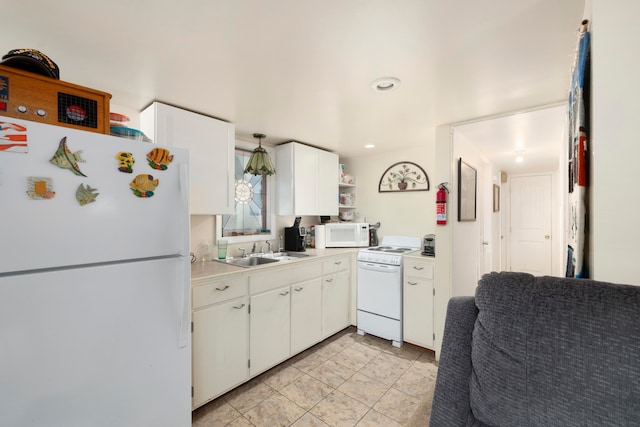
(531, 224)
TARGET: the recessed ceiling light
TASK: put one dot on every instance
(385, 84)
(519, 159)
(369, 146)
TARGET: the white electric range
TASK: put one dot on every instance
(379, 299)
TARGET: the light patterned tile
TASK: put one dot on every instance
(275, 411)
(425, 368)
(309, 420)
(367, 350)
(331, 373)
(215, 413)
(352, 358)
(306, 391)
(281, 376)
(339, 410)
(397, 405)
(364, 389)
(330, 349)
(310, 361)
(239, 422)
(248, 395)
(386, 368)
(414, 385)
(376, 419)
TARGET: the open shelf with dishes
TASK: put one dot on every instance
(347, 201)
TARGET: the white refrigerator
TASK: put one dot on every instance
(94, 280)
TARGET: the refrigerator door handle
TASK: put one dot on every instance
(185, 322)
(184, 194)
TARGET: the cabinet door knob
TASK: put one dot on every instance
(337, 262)
(298, 289)
(285, 293)
(329, 280)
(415, 267)
(223, 289)
(412, 283)
(238, 307)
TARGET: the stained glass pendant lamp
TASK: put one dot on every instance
(259, 163)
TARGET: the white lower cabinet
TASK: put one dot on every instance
(220, 338)
(247, 323)
(418, 288)
(270, 325)
(336, 288)
(306, 315)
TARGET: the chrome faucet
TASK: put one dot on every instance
(244, 252)
(253, 248)
(268, 244)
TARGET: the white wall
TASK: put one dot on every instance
(410, 213)
(466, 234)
(615, 200)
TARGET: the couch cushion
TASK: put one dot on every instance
(553, 351)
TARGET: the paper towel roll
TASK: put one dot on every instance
(320, 238)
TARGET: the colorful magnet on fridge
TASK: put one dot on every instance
(159, 158)
(143, 185)
(40, 188)
(65, 159)
(125, 161)
(13, 138)
(86, 194)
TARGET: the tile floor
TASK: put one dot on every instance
(346, 380)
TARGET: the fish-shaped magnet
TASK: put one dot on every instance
(159, 158)
(143, 185)
(65, 159)
(86, 194)
(125, 161)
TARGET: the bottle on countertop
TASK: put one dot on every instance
(313, 236)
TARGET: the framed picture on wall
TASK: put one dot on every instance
(496, 198)
(467, 184)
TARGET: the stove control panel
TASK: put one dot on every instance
(380, 258)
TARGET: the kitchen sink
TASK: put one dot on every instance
(250, 261)
(261, 259)
(288, 255)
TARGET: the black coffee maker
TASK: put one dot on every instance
(429, 245)
(294, 237)
(373, 234)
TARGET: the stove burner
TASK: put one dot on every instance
(391, 249)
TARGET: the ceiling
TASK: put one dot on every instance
(301, 69)
(535, 135)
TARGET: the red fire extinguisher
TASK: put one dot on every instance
(441, 205)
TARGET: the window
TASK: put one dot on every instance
(252, 220)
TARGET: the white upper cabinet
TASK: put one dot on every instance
(306, 180)
(211, 143)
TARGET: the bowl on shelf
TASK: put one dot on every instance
(346, 215)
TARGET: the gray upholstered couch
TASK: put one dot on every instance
(540, 351)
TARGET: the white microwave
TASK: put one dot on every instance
(346, 234)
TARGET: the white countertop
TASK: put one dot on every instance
(417, 254)
(204, 269)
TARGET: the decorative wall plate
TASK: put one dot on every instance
(403, 176)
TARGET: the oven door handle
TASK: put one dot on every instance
(384, 268)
